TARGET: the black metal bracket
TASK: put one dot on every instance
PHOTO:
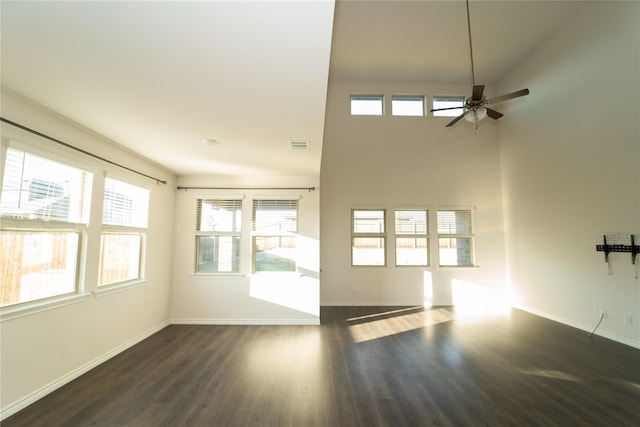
(607, 249)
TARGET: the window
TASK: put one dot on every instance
(407, 106)
(44, 208)
(275, 224)
(455, 103)
(218, 236)
(368, 237)
(412, 237)
(124, 223)
(366, 105)
(455, 238)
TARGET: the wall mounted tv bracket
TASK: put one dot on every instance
(633, 249)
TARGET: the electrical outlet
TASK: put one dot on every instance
(603, 313)
(628, 320)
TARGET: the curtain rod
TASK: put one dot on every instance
(245, 188)
(57, 141)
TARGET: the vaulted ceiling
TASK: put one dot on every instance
(160, 77)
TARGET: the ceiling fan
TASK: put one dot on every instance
(475, 108)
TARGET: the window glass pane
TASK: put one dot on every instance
(218, 254)
(448, 102)
(219, 215)
(119, 258)
(368, 221)
(454, 222)
(366, 105)
(411, 222)
(274, 253)
(38, 188)
(455, 251)
(411, 251)
(407, 106)
(275, 216)
(274, 246)
(125, 204)
(368, 251)
(35, 265)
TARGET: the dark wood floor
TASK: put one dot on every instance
(365, 366)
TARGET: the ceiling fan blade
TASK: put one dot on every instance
(507, 96)
(477, 93)
(454, 121)
(495, 115)
(448, 108)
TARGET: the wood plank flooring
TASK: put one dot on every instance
(364, 366)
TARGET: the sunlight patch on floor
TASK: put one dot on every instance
(549, 373)
(388, 323)
(473, 300)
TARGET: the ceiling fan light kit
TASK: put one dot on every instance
(474, 108)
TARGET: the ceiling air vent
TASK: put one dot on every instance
(299, 145)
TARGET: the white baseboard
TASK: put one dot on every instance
(253, 322)
(372, 303)
(14, 407)
(588, 328)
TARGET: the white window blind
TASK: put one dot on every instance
(219, 215)
(454, 222)
(273, 217)
(37, 188)
(125, 204)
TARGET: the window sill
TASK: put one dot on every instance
(119, 287)
(30, 308)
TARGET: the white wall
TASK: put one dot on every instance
(570, 157)
(264, 298)
(43, 350)
(406, 162)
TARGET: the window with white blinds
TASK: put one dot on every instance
(44, 206)
(412, 237)
(274, 224)
(41, 189)
(455, 238)
(218, 236)
(125, 204)
(368, 237)
(125, 215)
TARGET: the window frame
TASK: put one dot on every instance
(200, 233)
(418, 98)
(467, 235)
(123, 230)
(425, 236)
(447, 113)
(286, 233)
(379, 98)
(369, 235)
(78, 226)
